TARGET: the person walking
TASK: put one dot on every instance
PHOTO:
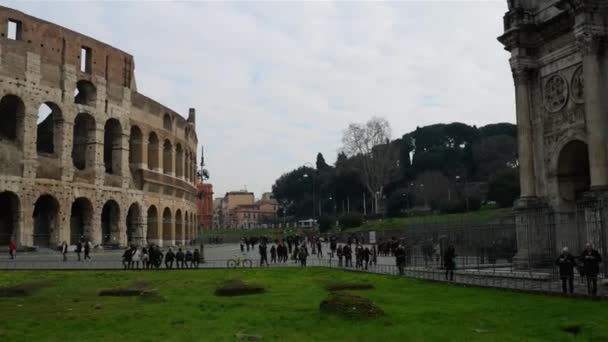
(169, 256)
(64, 250)
(366, 256)
(319, 247)
(78, 249)
(449, 260)
(145, 259)
(196, 258)
(12, 249)
(591, 264)
(273, 254)
(188, 258)
(303, 254)
(400, 258)
(87, 250)
(566, 263)
(339, 253)
(127, 258)
(263, 254)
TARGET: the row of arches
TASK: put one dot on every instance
(50, 132)
(47, 225)
(185, 160)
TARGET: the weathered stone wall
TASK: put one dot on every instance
(43, 66)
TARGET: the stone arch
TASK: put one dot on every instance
(167, 229)
(153, 231)
(179, 232)
(48, 138)
(81, 220)
(9, 217)
(134, 225)
(167, 122)
(12, 115)
(110, 223)
(85, 93)
(167, 157)
(573, 170)
(153, 162)
(83, 145)
(135, 146)
(179, 161)
(112, 146)
(46, 220)
(187, 227)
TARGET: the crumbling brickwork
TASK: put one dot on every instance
(82, 153)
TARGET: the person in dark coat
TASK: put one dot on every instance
(179, 258)
(449, 261)
(366, 257)
(78, 249)
(339, 253)
(273, 254)
(302, 255)
(348, 256)
(263, 254)
(319, 247)
(188, 259)
(169, 256)
(566, 263)
(64, 250)
(196, 258)
(400, 258)
(591, 265)
(87, 250)
(126, 257)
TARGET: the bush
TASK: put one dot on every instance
(351, 220)
(326, 222)
(460, 205)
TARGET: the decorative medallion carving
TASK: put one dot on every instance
(577, 86)
(556, 93)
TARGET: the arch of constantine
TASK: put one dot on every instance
(82, 153)
(559, 61)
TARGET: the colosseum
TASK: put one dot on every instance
(82, 153)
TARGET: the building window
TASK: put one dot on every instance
(14, 29)
(86, 55)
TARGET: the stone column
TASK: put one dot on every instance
(590, 46)
(527, 179)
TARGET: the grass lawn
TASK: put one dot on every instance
(68, 309)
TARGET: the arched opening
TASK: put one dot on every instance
(12, 113)
(135, 146)
(179, 161)
(85, 93)
(153, 162)
(83, 145)
(167, 157)
(112, 151)
(179, 233)
(152, 234)
(49, 128)
(134, 225)
(167, 233)
(167, 122)
(46, 220)
(573, 170)
(81, 220)
(9, 217)
(187, 228)
(110, 218)
(187, 165)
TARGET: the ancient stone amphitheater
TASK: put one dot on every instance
(82, 153)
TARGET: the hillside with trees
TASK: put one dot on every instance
(447, 168)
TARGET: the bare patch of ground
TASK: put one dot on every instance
(236, 287)
(22, 290)
(349, 305)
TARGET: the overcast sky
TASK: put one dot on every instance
(275, 83)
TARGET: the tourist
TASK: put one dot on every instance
(319, 251)
(145, 259)
(127, 258)
(136, 258)
(169, 256)
(348, 256)
(566, 263)
(263, 254)
(242, 244)
(374, 256)
(273, 254)
(11, 250)
(591, 263)
(339, 253)
(179, 258)
(78, 249)
(303, 254)
(358, 256)
(449, 260)
(366, 256)
(400, 258)
(188, 258)
(87, 250)
(196, 258)
(296, 254)
(64, 250)
(333, 245)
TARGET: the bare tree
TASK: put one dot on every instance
(369, 145)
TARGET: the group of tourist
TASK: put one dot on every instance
(587, 265)
(152, 257)
(82, 246)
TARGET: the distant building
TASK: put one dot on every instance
(204, 205)
(239, 209)
(218, 216)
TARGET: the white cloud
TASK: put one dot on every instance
(275, 83)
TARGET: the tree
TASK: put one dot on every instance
(504, 187)
(321, 164)
(370, 143)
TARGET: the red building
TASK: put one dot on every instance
(204, 204)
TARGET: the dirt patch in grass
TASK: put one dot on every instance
(140, 284)
(23, 290)
(120, 292)
(348, 286)
(236, 287)
(349, 305)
